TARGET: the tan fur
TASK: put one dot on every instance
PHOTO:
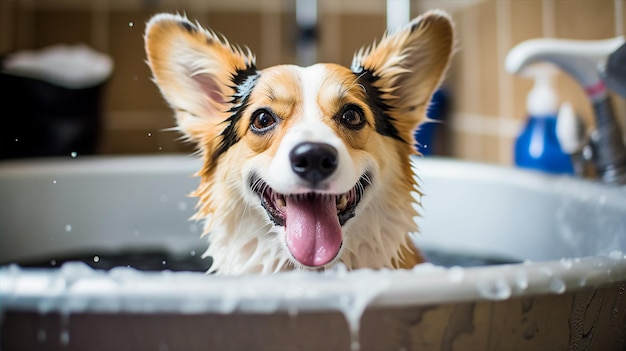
(194, 68)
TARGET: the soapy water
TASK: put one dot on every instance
(114, 272)
(191, 261)
(72, 286)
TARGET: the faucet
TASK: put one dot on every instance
(594, 65)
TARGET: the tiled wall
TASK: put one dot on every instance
(489, 104)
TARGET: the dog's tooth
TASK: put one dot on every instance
(342, 201)
(280, 202)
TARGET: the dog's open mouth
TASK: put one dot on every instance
(313, 220)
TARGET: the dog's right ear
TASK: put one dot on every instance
(197, 72)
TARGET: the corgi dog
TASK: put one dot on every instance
(303, 167)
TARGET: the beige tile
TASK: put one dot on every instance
(467, 146)
(526, 23)
(51, 27)
(329, 44)
(24, 33)
(138, 142)
(465, 75)
(242, 28)
(570, 91)
(585, 19)
(130, 87)
(489, 64)
(491, 149)
(7, 27)
(356, 31)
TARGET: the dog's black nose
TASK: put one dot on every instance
(313, 162)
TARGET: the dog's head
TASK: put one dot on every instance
(303, 166)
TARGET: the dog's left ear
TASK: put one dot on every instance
(405, 68)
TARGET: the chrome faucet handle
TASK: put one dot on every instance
(579, 58)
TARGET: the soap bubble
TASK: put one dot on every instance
(497, 289)
(521, 280)
(616, 255)
(65, 337)
(455, 274)
(557, 285)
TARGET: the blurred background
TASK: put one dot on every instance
(484, 105)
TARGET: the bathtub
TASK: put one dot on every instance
(559, 283)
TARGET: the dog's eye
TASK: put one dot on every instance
(352, 118)
(262, 121)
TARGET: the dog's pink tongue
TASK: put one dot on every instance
(313, 230)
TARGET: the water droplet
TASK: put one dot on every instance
(54, 182)
(16, 140)
(160, 148)
(521, 280)
(130, 24)
(557, 285)
(53, 263)
(566, 263)
(149, 134)
(192, 253)
(182, 206)
(164, 262)
(497, 289)
(68, 228)
(292, 311)
(96, 259)
(455, 274)
(41, 335)
(65, 337)
(546, 271)
(74, 154)
(616, 255)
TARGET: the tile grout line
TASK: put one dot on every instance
(471, 78)
(548, 18)
(505, 82)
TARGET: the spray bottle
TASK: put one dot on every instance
(537, 147)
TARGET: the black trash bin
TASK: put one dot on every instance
(39, 118)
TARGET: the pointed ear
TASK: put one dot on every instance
(197, 72)
(405, 69)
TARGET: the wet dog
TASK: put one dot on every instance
(303, 166)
